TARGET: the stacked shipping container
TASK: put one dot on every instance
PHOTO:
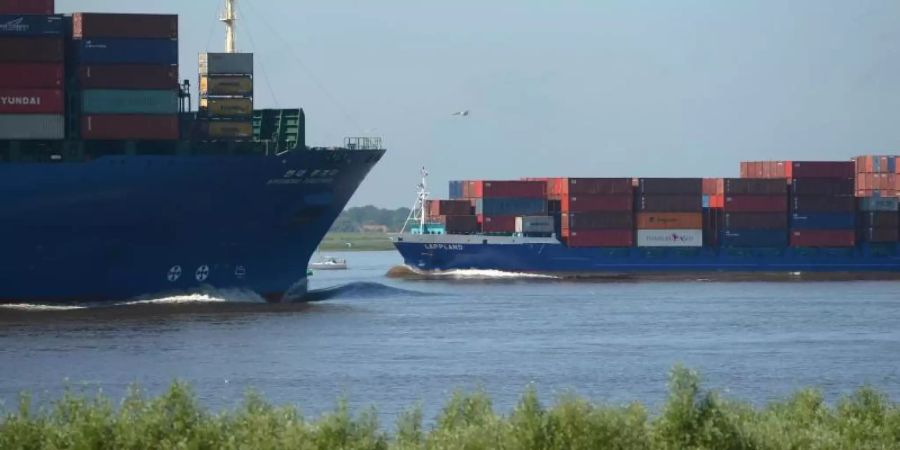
(498, 203)
(823, 208)
(226, 94)
(32, 104)
(755, 212)
(594, 212)
(877, 190)
(670, 212)
(457, 216)
(126, 74)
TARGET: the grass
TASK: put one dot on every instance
(358, 242)
(692, 418)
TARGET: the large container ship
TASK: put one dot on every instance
(784, 218)
(111, 188)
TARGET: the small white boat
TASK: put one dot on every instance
(329, 263)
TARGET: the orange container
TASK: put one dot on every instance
(669, 221)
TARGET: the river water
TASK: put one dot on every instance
(397, 342)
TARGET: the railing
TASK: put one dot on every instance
(363, 143)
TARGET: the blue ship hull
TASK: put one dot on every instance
(126, 227)
(435, 253)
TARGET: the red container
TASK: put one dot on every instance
(598, 221)
(671, 203)
(596, 203)
(756, 203)
(713, 186)
(599, 238)
(473, 189)
(137, 26)
(498, 224)
(822, 186)
(823, 238)
(34, 49)
(558, 187)
(670, 186)
(128, 77)
(878, 193)
(115, 127)
(879, 234)
(449, 208)
(876, 181)
(41, 7)
(31, 75)
(823, 169)
(515, 189)
(754, 186)
(31, 101)
(460, 224)
(822, 204)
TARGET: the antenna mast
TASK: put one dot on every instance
(230, 20)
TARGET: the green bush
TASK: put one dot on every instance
(692, 418)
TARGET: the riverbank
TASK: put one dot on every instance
(355, 242)
(690, 418)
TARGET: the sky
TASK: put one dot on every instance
(683, 88)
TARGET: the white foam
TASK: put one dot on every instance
(37, 308)
(215, 296)
(476, 274)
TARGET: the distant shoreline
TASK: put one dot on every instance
(355, 242)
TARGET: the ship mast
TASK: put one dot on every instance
(230, 20)
(418, 214)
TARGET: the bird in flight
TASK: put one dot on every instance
(462, 113)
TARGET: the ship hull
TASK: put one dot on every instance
(128, 227)
(437, 253)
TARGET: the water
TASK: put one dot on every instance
(394, 343)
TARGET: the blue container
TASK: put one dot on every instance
(456, 190)
(823, 221)
(874, 204)
(892, 165)
(706, 201)
(31, 25)
(754, 238)
(127, 51)
(511, 206)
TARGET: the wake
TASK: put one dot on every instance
(411, 273)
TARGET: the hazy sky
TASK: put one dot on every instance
(580, 88)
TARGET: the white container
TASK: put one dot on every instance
(32, 126)
(534, 224)
(670, 238)
(226, 64)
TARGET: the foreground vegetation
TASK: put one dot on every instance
(690, 419)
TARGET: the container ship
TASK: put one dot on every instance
(784, 218)
(113, 188)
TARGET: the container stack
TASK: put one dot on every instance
(126, 76)
(226, 95)
(713, 210)
(877, 190)
(823, 207)
(32, 104)
(456, 189)
(594, 212)
(670, 212)
(499, 203)
(755, 212)
(457, 216)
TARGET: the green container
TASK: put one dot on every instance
(120, 101)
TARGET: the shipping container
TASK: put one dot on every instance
(823, 238)
(822, 186)
(756, 221)
(670, 186)
(31, 101)
(823, 221)
(670, 203)
(119, 101)
(713, 222)
(32, 126)
(126, 51)
(814, 204)
(498, 224)
(876, 181)
(127, 26)
(30, 25)
(31, 75)
(823, 169)
(227, 107)
(558, 187)
(226, 85)
(755, 186)
(473, 189)
(515, 189)
(449, 207)
(879, 234)
(756, 203)
(879, 204)
(510, 206)
(26, 50)
(535, 225)
(597, 221)
(226, 64)
(27, 7)
(876, 164)
(132, 76)
(669, 238)
(229, 129)
(590, 203)
(467, 224)
(669, 221)
(135, 126)
(754, 238)
(713, 186)
(879, 219)
(885, 193)
(456, 189)
(600, 238)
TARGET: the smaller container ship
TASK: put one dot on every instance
(790, 218)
